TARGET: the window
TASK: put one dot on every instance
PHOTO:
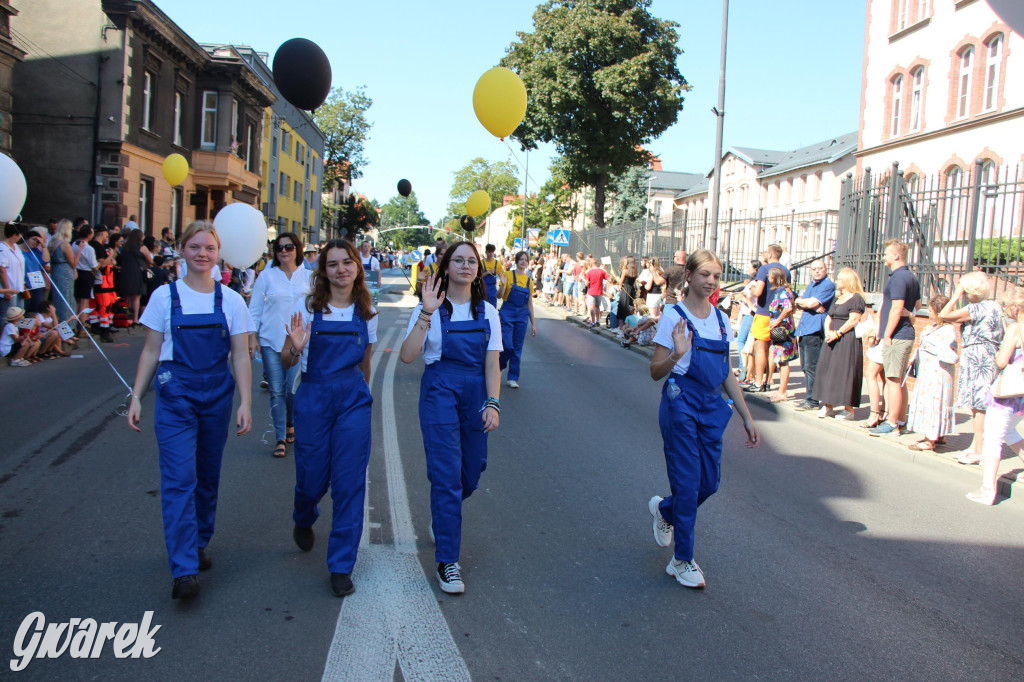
(177, 118)
(249, 156)
(297, 193)
(273, 192)
(963, 100)
(147, 101)
(817, 185)
(273, 147)
(916, 95)
(286, 142)
(209, 132)
(234, 121)
(904, 15)
(743, 196)
(284, 185)
(801, 184)
(988, 172)
(145, 194)
(176, 201)
(299, 156)
(897, 100)
(922, 9)
(995, 54)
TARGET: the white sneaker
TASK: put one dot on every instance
(662, 528)
(449, 577)
(824, 412)
(19, 362)
(845, 416)
(686, 573)
(512, 383)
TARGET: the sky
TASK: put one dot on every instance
(792, 78)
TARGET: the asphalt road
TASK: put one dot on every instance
(825, 559)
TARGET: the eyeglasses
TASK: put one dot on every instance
(285, 247)
(461, 262)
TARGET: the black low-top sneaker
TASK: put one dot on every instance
(304, 538)
(449, 577)
(185, 587)
(204, 560)
(341, 584)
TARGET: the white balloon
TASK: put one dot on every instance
(243, 234)
(13, 189)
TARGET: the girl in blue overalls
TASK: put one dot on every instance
(516, 311)
(459, 335)
(493, 272)
(692, 350)
(333, 331)
(194, 326)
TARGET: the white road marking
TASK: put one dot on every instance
(393, 616)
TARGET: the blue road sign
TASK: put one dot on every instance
(558, 237)
(519, 244)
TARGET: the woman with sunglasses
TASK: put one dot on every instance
(459, 335)
(331, 337)
(274, 296)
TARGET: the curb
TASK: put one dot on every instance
(893, 445)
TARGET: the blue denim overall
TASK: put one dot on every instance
(333, 408)
(452, 393)
(692, 426)
(193, 412)
(515, 316)
(491, 282)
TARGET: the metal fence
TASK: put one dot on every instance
(953, 223)
(742, 237)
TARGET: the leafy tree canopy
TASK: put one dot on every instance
(346, 129)
(602, 82)
(356, 215)
(402, 211)
(497, 179)
(629, 192)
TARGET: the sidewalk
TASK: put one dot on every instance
(943, 458)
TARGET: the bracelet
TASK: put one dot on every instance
(425, 315)
(492, 401)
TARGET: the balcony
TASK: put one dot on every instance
(224, 170)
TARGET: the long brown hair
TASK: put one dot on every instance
(476, 289)
(320, 287)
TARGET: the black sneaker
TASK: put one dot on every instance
(449, 577)
(304, 538)
(204, 561)
(185, 587)
(341, 584)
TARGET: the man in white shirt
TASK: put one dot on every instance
(12, 268)
(369, 261)
(130, 225)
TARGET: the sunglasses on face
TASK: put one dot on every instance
(284, 247)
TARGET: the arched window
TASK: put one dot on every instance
(897, 99)
(988, 172)
(954, 177)
(963, 98)
(916, 98)
(913, 180)
(994, 48)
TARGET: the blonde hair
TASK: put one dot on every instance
(898, 246)
(849, 281)
(1015, 297)
(195, 228)
(64, 229)
(777, 277)
(697, 259)
(977, 284)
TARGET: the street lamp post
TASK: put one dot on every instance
(719, 112)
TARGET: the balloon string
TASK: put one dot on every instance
(55, 288)
(571, 228)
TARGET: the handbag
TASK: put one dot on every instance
(1010, 382)
(780, 335)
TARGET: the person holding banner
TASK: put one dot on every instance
(494, 276)
(331, 336)
(692, 351)
(458, 333)
(196, 328)
(516, 311)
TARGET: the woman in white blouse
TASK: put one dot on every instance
(277, 290)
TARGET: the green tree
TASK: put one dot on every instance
(497, 179)
(410, 238)
(602, 81)
(343, 120)
(357, 215)
(629, 192)
(402, 211)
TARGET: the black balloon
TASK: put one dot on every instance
(467, 223)
(302, 73)
(404, 187)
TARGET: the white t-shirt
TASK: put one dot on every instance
(370, 263)
(460, 313)
(13, 263)
(334, 315)
(86, 261)
(130, 225)
(10, 335)
(274, 298)
(745, 307)
(157, 315)
(707, 327)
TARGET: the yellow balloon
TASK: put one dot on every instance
(499, 100)
(478, 203)
(175, 169)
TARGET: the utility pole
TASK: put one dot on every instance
(719, 112)
(525, 179)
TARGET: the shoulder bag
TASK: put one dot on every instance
(1010, 381)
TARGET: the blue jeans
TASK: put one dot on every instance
(281, 385)
(741, 340)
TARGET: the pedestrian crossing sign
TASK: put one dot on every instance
(558, 237)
